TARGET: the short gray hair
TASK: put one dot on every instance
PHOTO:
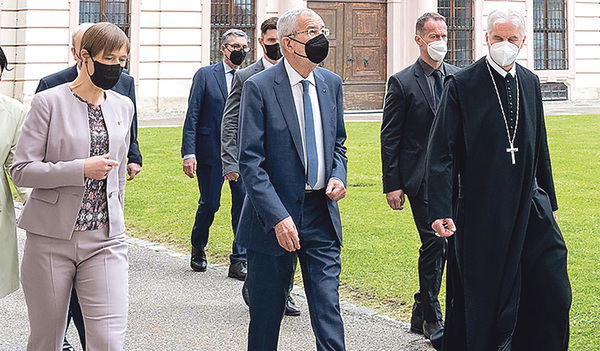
(426, 17)
(232, 32)
(288, 22)
(82, 27)
(507, 16)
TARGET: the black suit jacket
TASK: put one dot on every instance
(125, 86)
(408, 113)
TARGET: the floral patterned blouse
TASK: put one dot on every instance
(93, 213)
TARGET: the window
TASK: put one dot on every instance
(459, 16)
(228, 14)
(114, 11)
(554, 91)
(549, 34)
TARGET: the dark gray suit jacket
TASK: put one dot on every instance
(229, 123)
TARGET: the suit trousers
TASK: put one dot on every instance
(210, 183)
(98, 266)
(269, 279)
(432, 258)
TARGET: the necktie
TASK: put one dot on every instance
(439, 86)
(312, 162)
(231, 81)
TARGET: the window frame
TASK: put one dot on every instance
(547, 31)
(225, 15)
(458, 25)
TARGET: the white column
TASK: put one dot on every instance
(205, 32)
(134, 33)
(402, 17)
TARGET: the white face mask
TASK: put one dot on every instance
(436, 49)
(504, 53)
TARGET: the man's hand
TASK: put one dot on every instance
(287, 235)
(444, 227)
(395, 199)
(189, 167)
(555, 216)
(233, 176)
(133, 169)
(335, 189)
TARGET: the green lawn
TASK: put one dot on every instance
(381, 246)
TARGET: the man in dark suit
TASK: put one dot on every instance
(410, 104)
(125, 86)
(201, 145)
(229, 126)
(293, 162)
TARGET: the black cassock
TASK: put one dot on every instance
(507, 286)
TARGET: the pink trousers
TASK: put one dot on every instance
(98, 266)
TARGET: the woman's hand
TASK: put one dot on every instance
(98, 167)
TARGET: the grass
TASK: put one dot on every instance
(381, 245)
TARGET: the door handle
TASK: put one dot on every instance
(348, 59)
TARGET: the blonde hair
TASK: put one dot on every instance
(104, 37)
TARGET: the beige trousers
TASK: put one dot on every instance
(98, 267)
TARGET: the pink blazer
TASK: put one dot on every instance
(54, 142)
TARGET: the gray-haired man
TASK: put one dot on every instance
(201, 145)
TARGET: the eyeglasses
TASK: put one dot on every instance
(237, 47)
(313, 32)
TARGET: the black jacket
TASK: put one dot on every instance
(408, 113)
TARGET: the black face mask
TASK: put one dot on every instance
(105, 76)
(316, 49)
(237, 56)
(273, 51)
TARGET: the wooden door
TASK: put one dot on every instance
(358, 50)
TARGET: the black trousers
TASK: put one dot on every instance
(269, 279)
(432, 258)
(75, 314)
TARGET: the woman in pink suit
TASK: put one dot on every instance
(73, 153)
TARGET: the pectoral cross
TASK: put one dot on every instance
(512, 151)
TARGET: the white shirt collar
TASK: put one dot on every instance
(295, 77)
(500, 70)
(266, 63)
(227, 68)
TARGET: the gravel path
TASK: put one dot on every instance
(173, 308)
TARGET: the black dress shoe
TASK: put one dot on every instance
(437, 339)
(198, 261)
(290, 307)
(430, 328)
(238, 270)
(416, 320)
(66, 346)
(245, 295)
